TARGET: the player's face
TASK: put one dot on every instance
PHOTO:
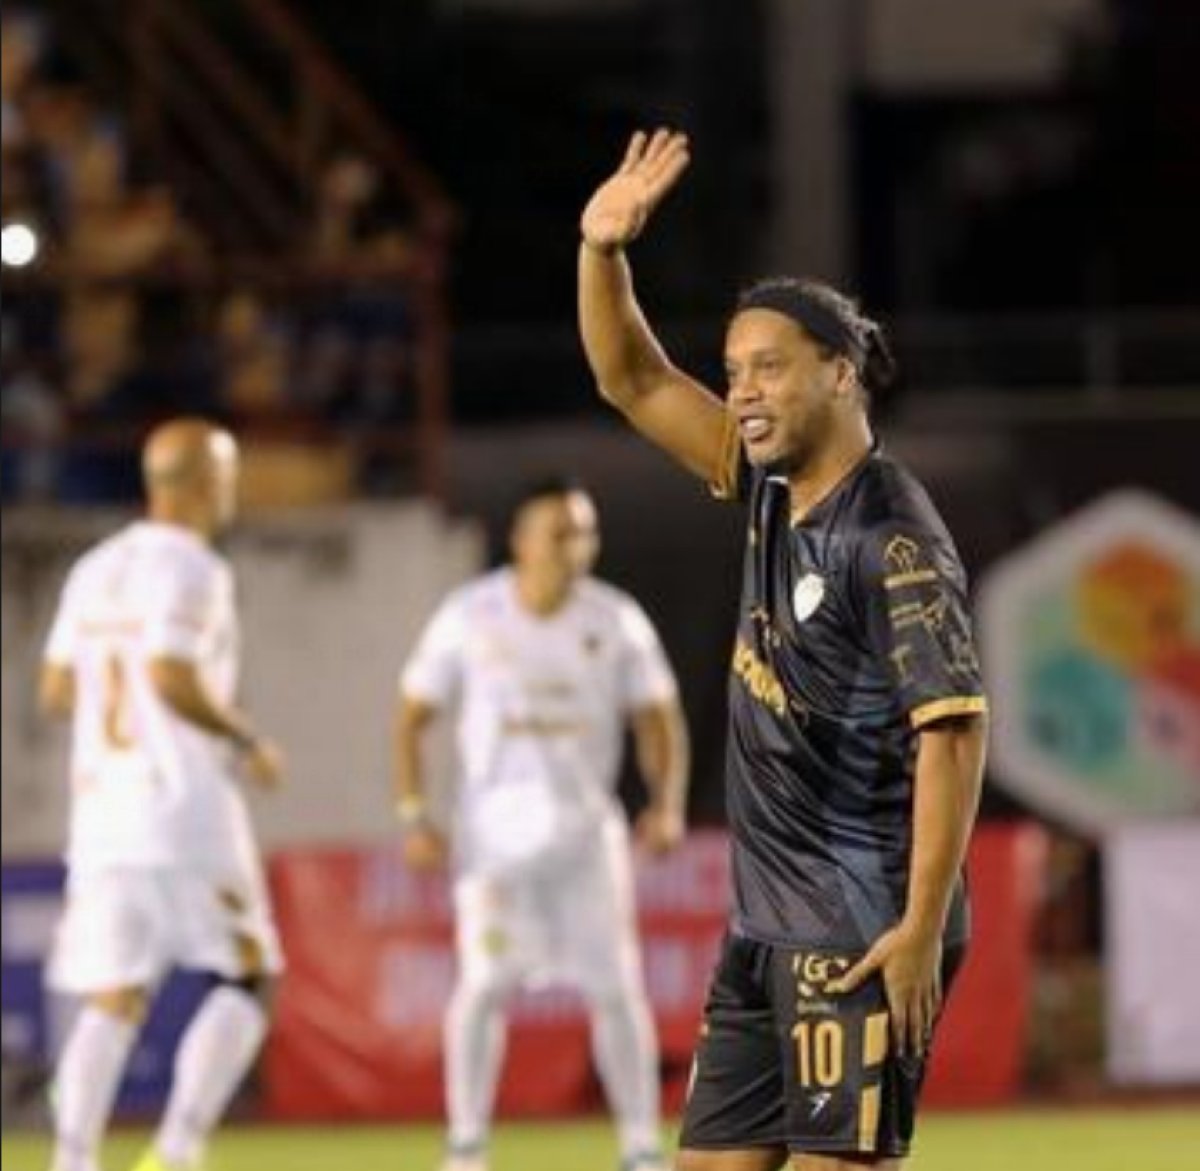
(781, 389)
(557, 536)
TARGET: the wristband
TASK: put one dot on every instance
(411, 810)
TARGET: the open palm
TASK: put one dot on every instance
(620, 207)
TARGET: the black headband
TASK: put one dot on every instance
(818, 320)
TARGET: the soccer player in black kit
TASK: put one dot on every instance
(857, 721)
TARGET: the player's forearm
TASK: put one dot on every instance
(410, 788)
(664, 757)
(949, 776)
(621, 349)
(410, 783)
(181, 688)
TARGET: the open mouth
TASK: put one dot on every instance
(755, 428)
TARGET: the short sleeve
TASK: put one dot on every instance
(179, 606)
(433, 671)
(647, 676)
(913, 597)
(62, 643)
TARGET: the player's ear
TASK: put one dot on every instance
(847, 377)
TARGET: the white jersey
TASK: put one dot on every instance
(542, 707)
(148, 787)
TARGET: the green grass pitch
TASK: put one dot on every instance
(1125, 1139)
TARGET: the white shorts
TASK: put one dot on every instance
(571, 920)
(127, 926)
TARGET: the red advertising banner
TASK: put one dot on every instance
(370, 966)
(371, 963)
(980, 1052)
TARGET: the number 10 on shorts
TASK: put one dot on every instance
(820, 1053)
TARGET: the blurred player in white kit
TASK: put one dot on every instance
(546, 666)
(162, 866)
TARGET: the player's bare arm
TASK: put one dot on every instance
(663, 754)
(425, 847)
(949, 777)
(182, 688)
(56, 690)
(632, 370)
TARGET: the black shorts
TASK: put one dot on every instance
(780, 1063)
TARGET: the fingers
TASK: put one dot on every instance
(931, 1005)
(854, 978)
(666, 160)
(909, 1027)
(913, 1018)
(658, 158)
(901, 1020)
(633, 152)
(660, 140)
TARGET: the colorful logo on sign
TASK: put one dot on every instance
(1091, 638)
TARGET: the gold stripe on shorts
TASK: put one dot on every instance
(875, 1039)
(868, 1118)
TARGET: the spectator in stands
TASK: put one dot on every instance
(21, 41)
(354, 229)
(253, 358)
(357, 370)
(34, 420)
(101, 347)
(545, 665)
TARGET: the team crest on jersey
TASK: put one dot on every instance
(807, 596)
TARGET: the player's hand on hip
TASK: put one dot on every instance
(425, 848)
(620, 207)
(262, 763)
(658, 831)
(909, 961)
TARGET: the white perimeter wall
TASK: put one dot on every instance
(1152, 903)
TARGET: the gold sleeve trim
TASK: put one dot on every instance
(939, 709)
(724, 483)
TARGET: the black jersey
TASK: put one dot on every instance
(853, 634)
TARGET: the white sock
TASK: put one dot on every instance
(214, 1055)
(475, 1034)
(85, 1085)
(626, 1054)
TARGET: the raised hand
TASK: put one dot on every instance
(621, 205)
